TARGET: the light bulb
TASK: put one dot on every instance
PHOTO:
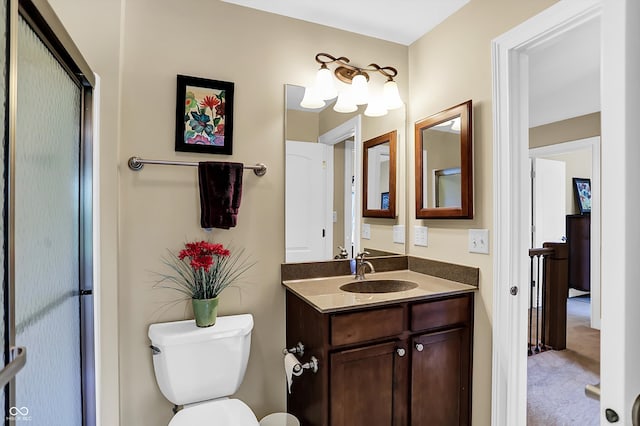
(311, 99)
(392, 98)
(345, 102)
(375, 108)
(359, 89)
(325, 85)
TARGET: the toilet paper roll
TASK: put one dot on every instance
(290, 362)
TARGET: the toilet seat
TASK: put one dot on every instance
(223, 412)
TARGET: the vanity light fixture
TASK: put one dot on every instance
(355, 90)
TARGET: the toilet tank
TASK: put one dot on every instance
(194, 364)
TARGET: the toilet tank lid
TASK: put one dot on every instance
(181, 332)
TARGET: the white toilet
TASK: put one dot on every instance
(200, 367)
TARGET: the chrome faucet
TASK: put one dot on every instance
(344, 254)
(361, 266)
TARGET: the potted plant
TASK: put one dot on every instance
(201, 270)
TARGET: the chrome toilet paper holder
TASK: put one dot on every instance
(311, 365)
(297, 349)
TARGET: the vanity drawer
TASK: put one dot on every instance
(440, 313)
(366, 325)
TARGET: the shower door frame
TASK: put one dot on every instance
(43, 20)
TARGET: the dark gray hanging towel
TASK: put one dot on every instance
(220, 193)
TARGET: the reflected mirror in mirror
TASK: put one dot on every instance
(444, 185)
(323, 181)
(379, 171)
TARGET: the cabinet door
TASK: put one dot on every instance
(369, 386)
(440, 378)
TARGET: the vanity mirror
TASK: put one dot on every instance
(379, 175)
(324, 185)
(444, 164)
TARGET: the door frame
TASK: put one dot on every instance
(351, 128)
(511, 188)
(592, 143)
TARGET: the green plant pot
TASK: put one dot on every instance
(205, 311)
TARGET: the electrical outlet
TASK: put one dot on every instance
(366, 231)
(420, 236)
(479, 241)
(398, 234)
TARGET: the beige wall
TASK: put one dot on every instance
(302, 126)
(582, 127)
(447, 66)
(157, 208)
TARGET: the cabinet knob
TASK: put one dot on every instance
(401, 352)
(419, 347)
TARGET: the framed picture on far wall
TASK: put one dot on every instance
(384, 201)
(204, 116)
(582, 191)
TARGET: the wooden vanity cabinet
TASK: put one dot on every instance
(394, 365)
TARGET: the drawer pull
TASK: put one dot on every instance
(401, 352)
(419, 347)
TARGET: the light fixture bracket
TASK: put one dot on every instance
(345, 74)
(345, 71)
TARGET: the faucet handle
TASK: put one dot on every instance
(362, 255)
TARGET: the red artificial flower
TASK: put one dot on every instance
(201, 254)
(210, 101)
(204, 262)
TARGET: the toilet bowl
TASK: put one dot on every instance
(200, 368)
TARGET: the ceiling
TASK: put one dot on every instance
(401, 21)
(564, 76)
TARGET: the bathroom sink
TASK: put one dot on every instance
(378, 286)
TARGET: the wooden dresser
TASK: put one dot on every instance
(579, 242)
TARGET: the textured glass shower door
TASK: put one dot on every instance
(47, 245)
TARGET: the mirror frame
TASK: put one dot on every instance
(464, 110)
(390, 137)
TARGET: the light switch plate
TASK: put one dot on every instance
(335, 217)
(366, 231)
(421, 236)
(398, 234)
(479, 241)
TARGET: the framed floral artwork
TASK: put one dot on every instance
(582, 192)
(204, 116)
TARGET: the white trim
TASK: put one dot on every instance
(327, 153)
(511, 201)
(593, 144)
(97, 288)
(349, 148)
(348, 129)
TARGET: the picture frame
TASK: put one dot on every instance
(582, 192)
(384, 201)
(204, 115)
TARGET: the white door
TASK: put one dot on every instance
(305, 204)
(620, 339)
(549, 201)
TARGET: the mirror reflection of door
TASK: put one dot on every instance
(447, 190)
(441, 159)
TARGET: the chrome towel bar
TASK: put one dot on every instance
(137, 163)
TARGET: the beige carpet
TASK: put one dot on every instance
(556, 379)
